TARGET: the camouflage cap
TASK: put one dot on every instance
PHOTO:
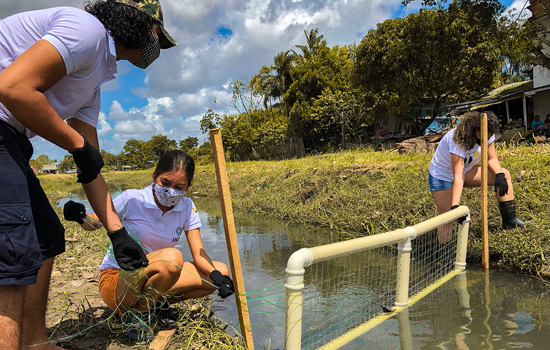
(152, 8)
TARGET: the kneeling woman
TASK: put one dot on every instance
(156, 216)
(454, 166)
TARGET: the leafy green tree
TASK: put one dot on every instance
(42, 160)
(255, 135)
(325, 72)
(339, 116)
(273, 82)
(156, 146)
(134, 153)
(430, 57)
(189, 144)
(202, 155)
(210, 121)
(109, 159)
(535, 37)
(66, 164)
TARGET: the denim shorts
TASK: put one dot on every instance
(30, 230)
(438, 185)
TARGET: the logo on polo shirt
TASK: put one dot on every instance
(179, 231)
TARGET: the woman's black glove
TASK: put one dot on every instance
(224, 283)
(73, 211)
(89, 161)
(460, 220)
(128, 253)
(501, 185)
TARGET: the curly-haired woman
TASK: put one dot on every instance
(454, 166)
(52, 64)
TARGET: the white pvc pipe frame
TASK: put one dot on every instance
(308, 256)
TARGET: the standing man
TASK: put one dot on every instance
(52, 63)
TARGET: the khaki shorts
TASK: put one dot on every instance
(108, 280)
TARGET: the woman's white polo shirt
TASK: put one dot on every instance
(145, 222)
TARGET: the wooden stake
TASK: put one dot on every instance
(484, 221)
(162, 339)
(231, 236)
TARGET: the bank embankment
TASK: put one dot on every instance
(362, 192)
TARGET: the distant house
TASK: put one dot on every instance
(50, 168)
(129, 167)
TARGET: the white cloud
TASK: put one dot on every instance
(103, 127)
(186, 80)
(519, 8)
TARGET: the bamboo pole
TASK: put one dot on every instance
(231, 236)
(484, 222)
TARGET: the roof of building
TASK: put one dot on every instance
(500, 94)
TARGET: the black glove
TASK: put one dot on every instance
(73, 211)
(460, 220)
(501, 185)
(128, 253)
(224, 283)
(89, 161)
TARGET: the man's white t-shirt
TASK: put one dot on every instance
(87, 50)
(145, 222)
(441, 167)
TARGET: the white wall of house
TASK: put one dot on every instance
(541, 75)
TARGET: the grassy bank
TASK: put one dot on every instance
(362, 192)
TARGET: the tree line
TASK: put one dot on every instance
(325, 97)
(137, 154)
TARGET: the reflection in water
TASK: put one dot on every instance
(452, 317)
(473, 311)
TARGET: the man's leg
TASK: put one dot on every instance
(34, 311)
(11, 310)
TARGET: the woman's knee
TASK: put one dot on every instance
(167, 261)
(222, 268)
(173, 256)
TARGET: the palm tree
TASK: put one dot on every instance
(273, 81)
(314, 43)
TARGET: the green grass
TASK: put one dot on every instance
(362, 192)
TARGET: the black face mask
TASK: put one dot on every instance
(478, 141)
(150, 52)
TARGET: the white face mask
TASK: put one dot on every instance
(168, 196)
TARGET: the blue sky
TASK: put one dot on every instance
(219, 41)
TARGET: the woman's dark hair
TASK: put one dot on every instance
(470, 122)
(127, 25)
(175, 160)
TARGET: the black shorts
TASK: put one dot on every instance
(30, 230)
